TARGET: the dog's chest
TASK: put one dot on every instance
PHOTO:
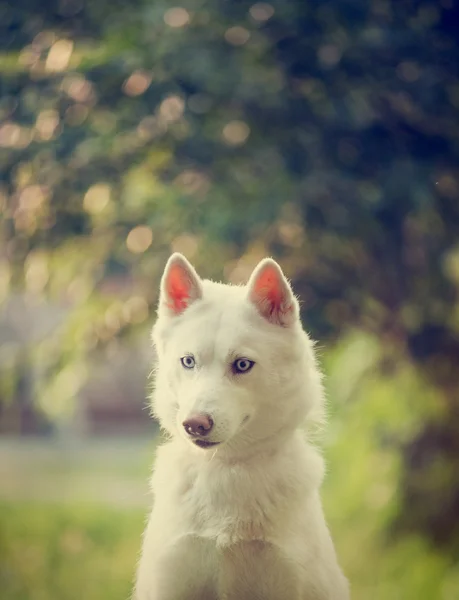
(232, 503)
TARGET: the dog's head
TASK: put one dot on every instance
(234, 365)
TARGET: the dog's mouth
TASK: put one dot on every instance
(205, 444)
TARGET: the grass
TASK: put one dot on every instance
(64, 552)
(71, 517)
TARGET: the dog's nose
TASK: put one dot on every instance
(198, 425)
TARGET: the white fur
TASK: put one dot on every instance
(242, 520)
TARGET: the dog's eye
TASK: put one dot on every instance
(188, 361)
(242, 365)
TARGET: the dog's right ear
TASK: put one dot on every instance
(180, 286)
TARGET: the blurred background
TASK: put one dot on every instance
(323, 133)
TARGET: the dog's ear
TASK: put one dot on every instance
(272, 295)
(180, 286)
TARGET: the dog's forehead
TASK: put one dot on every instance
(220, 323)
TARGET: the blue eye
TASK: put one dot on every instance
(242, 365)
(188, 361)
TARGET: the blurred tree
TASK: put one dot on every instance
(324, 133)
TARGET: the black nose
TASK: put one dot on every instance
(198, 425)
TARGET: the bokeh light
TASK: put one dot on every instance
(177, 17)
(235, 133)
(139, 239)
(97, 198)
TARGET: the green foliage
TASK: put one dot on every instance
(307, 130)
(374, 412)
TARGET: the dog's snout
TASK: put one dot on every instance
(198, 425)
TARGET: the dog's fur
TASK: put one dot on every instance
(241, 520)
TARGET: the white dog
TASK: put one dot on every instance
(237, 513)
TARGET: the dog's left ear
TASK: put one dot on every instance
(272, 295)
